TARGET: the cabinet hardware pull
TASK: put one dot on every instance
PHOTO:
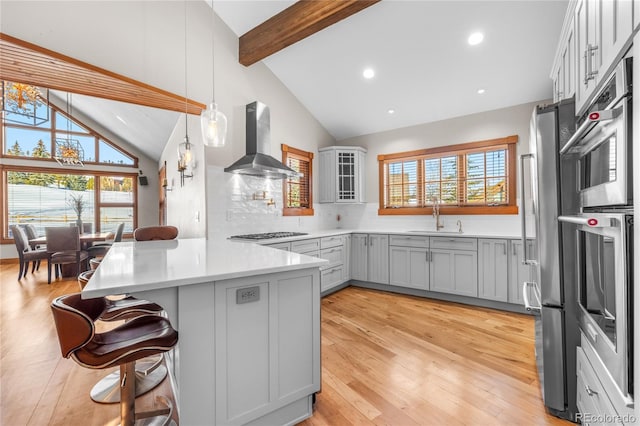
(590, 391)
(504, 249)
(513, 249)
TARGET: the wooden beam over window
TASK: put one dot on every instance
(302, 19)
(24, 62)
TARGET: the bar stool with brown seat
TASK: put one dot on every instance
(122, 346)
(149, 233)
(149, 374)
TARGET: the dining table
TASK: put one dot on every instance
(86, 238)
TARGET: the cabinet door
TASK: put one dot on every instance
(361, 190)
(409, 267)
(346, 270)
(378, 263)
(346, 176)
(493, 271)
(616, 25)
(327, 192)
(454, 271)
(359, 256)
(587, 55)
(636, 14)
(568, 67)
(267, 343)
(518, 271)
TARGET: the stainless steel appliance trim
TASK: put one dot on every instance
(588, 125)
(585, 220)
(525, 296)
(523, 202)
(614, 357)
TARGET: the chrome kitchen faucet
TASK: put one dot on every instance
(436, 213)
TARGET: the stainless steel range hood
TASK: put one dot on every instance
(257, 162)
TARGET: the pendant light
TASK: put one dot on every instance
(185, 155)
(212, 121)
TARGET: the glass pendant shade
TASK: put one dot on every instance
(214, 126)
(185, 156)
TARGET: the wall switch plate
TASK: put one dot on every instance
(247, 295)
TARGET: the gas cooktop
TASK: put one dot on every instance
(266, 235)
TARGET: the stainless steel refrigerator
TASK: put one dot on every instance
(548, 190)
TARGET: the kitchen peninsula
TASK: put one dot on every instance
(248, 319)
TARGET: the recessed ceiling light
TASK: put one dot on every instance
(481, 91)
(368, 73)
(475, 38)
(391, 111)
(121, 119)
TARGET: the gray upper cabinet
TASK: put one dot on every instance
(493, 269)
(342, 173)
(564, 67)
(603, 30)
(636, 14)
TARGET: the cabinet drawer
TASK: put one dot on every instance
(335, 255)
(591, 395)
(454, 243)
(332, 241)
(305, 246)
(331, 277)
(408, 241)
(280, 246)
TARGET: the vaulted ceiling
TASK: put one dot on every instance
(425, 69)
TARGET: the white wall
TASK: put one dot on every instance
(476, 127)
(145, 40)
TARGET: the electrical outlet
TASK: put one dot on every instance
(247, 295)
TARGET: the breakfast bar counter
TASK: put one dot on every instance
(248, 319)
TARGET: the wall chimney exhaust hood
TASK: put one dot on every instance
(257, 162)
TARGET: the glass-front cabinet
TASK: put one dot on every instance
(342, 172)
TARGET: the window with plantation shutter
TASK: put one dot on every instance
(297, 191)
(471, 178)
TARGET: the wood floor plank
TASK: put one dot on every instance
(387, 359)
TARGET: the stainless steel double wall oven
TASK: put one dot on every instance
(603, 230)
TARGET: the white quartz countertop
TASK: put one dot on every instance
(416, 232)
(149, 265)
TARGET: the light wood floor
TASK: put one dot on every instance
(386, 359)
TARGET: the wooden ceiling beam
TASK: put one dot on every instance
(24, 62)
(300, 20)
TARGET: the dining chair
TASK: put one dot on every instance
(63, 247)
(100, 249)
(32, 233)
(25, 253)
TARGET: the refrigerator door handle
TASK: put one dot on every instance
(523, 207)
(525, 296)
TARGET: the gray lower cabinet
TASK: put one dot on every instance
(592, 400)
(493, 269)
(518, 271)
(409, 261)
(359, 256)
(346, 271)
(332, 249)
(267, 349)
(378, 262)
(454, 266)
(370, 258)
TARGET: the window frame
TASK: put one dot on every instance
(510, 142)
(287, 152)
(90, 132)
(4, 168)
